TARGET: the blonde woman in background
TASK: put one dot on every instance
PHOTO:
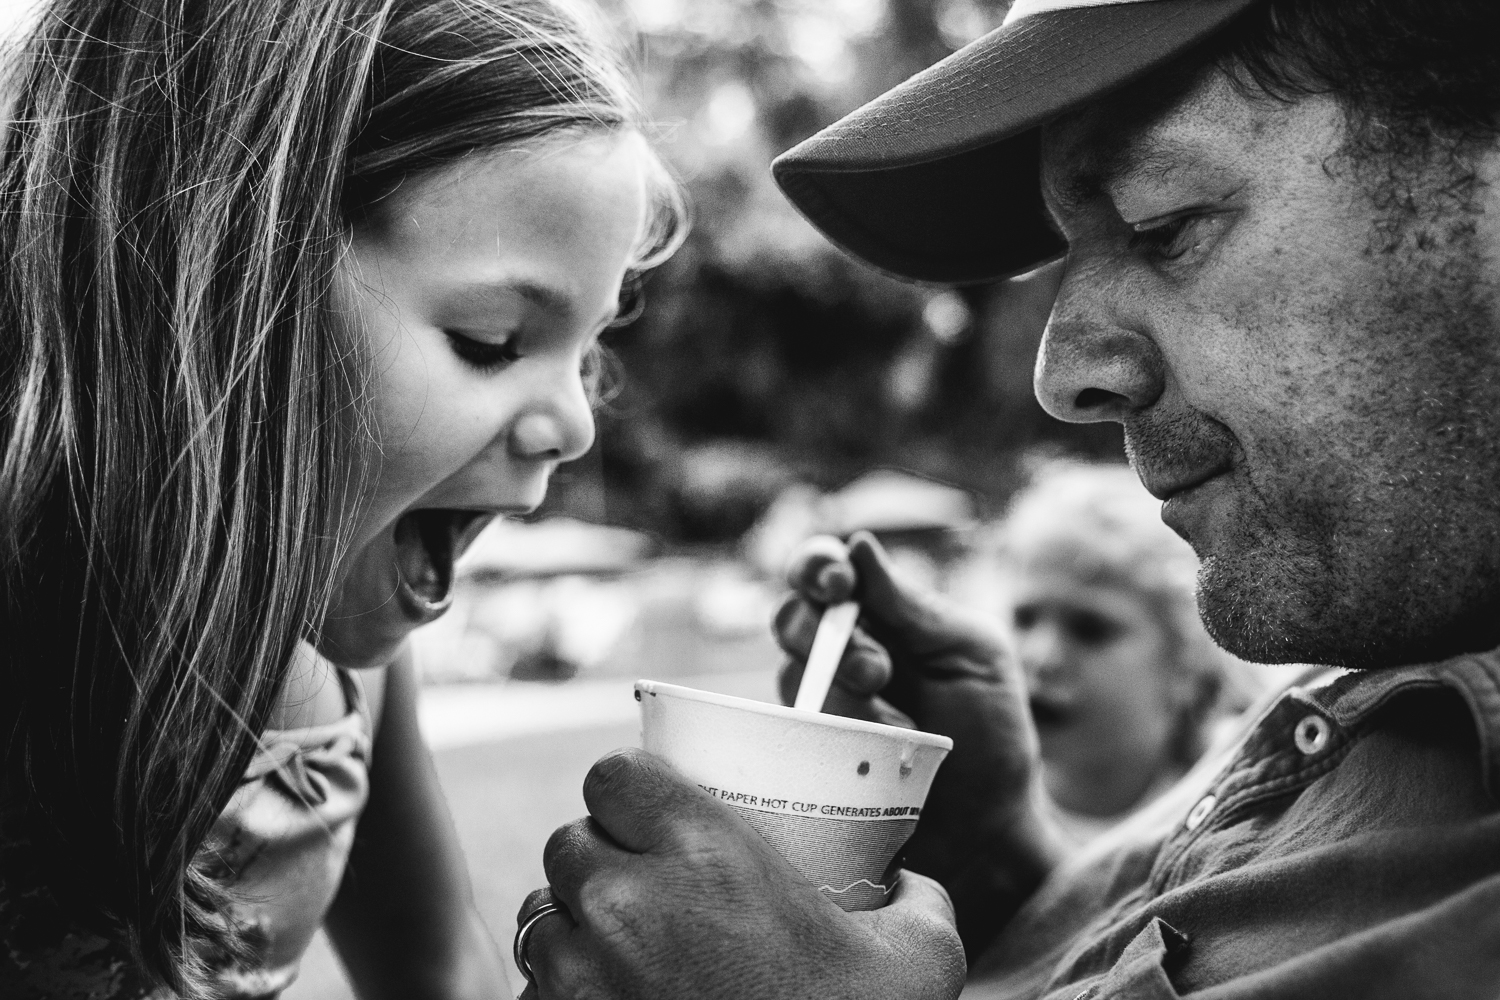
(1125, 684)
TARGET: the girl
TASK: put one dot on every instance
(1126, 686)
(300, 294)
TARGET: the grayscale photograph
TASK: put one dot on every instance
(749, 499)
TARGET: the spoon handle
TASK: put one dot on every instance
(828, 645)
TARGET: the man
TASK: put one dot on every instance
(1281, 227)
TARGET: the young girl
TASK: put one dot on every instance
(300, 294)
(1126, 686)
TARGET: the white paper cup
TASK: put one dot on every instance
(836, 797)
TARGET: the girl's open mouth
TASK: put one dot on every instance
(1047, 713)
(428, 543)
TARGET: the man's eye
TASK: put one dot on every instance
(483, 354)
(1166, 240)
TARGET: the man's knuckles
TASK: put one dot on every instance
(821, 563)
(620, 910)
(569, 856)
(795, 624)
(558, 965)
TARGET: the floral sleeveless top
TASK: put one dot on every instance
(279, 847)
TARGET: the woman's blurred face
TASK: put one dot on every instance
(480, 290)
(1105, 696)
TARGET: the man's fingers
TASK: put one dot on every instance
(795, 624)
(821, 570)
(574, 852)
(640, 801)
(884, 593)
(919, 928)
(919, 894)
(534, 901)
(789, 679)
(556, 958)
(863, 670)
(865, 666)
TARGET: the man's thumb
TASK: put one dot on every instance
(884, 593)
(639, 799)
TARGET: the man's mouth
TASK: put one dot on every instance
(1166, 484)
(428, 543)
(1176, 454)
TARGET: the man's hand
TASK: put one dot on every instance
(671, 896)
(916, 659)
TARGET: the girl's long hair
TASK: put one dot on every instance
(183, 421)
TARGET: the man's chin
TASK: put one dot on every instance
(1279, 608)
(1252, 624)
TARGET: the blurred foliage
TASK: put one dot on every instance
(765, 355)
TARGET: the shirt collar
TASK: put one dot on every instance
(1355, 695)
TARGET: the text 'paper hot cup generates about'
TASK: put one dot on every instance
(836, 797)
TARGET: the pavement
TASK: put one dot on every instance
(511, 758)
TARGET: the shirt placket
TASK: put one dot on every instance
(1296, 742)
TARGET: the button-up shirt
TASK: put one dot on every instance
(1349, 847)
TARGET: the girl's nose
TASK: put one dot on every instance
(1044, 655)
(559, 427)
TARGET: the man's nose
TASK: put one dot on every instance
(1092, 365)
(558, 426)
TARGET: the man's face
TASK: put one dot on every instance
(1306, 364)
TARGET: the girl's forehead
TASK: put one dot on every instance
(1061, 578)
(523, 184)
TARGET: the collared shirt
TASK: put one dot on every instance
(1349, 847)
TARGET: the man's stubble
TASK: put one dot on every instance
(1373, 538)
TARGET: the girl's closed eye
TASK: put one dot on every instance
(484, 354)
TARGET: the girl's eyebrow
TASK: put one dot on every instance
(491, 290)
(551, 298)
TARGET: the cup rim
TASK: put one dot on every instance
(797, 714)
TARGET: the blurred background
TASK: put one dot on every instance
(772, 388)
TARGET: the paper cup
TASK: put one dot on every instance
(836, 797)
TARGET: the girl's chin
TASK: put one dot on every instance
(399, 582)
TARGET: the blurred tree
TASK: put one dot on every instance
(765, 355)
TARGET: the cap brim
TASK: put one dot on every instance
(937, 180)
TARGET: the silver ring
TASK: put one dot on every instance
(524, 931)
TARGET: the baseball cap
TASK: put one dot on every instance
(937, 179)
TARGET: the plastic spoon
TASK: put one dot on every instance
(828, 645)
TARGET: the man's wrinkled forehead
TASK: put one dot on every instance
(1149, 130)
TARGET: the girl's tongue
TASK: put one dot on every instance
(427, 544)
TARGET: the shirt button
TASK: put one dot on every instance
(1200, 811)
(1312, 734)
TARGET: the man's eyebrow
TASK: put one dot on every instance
(1111, 158)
